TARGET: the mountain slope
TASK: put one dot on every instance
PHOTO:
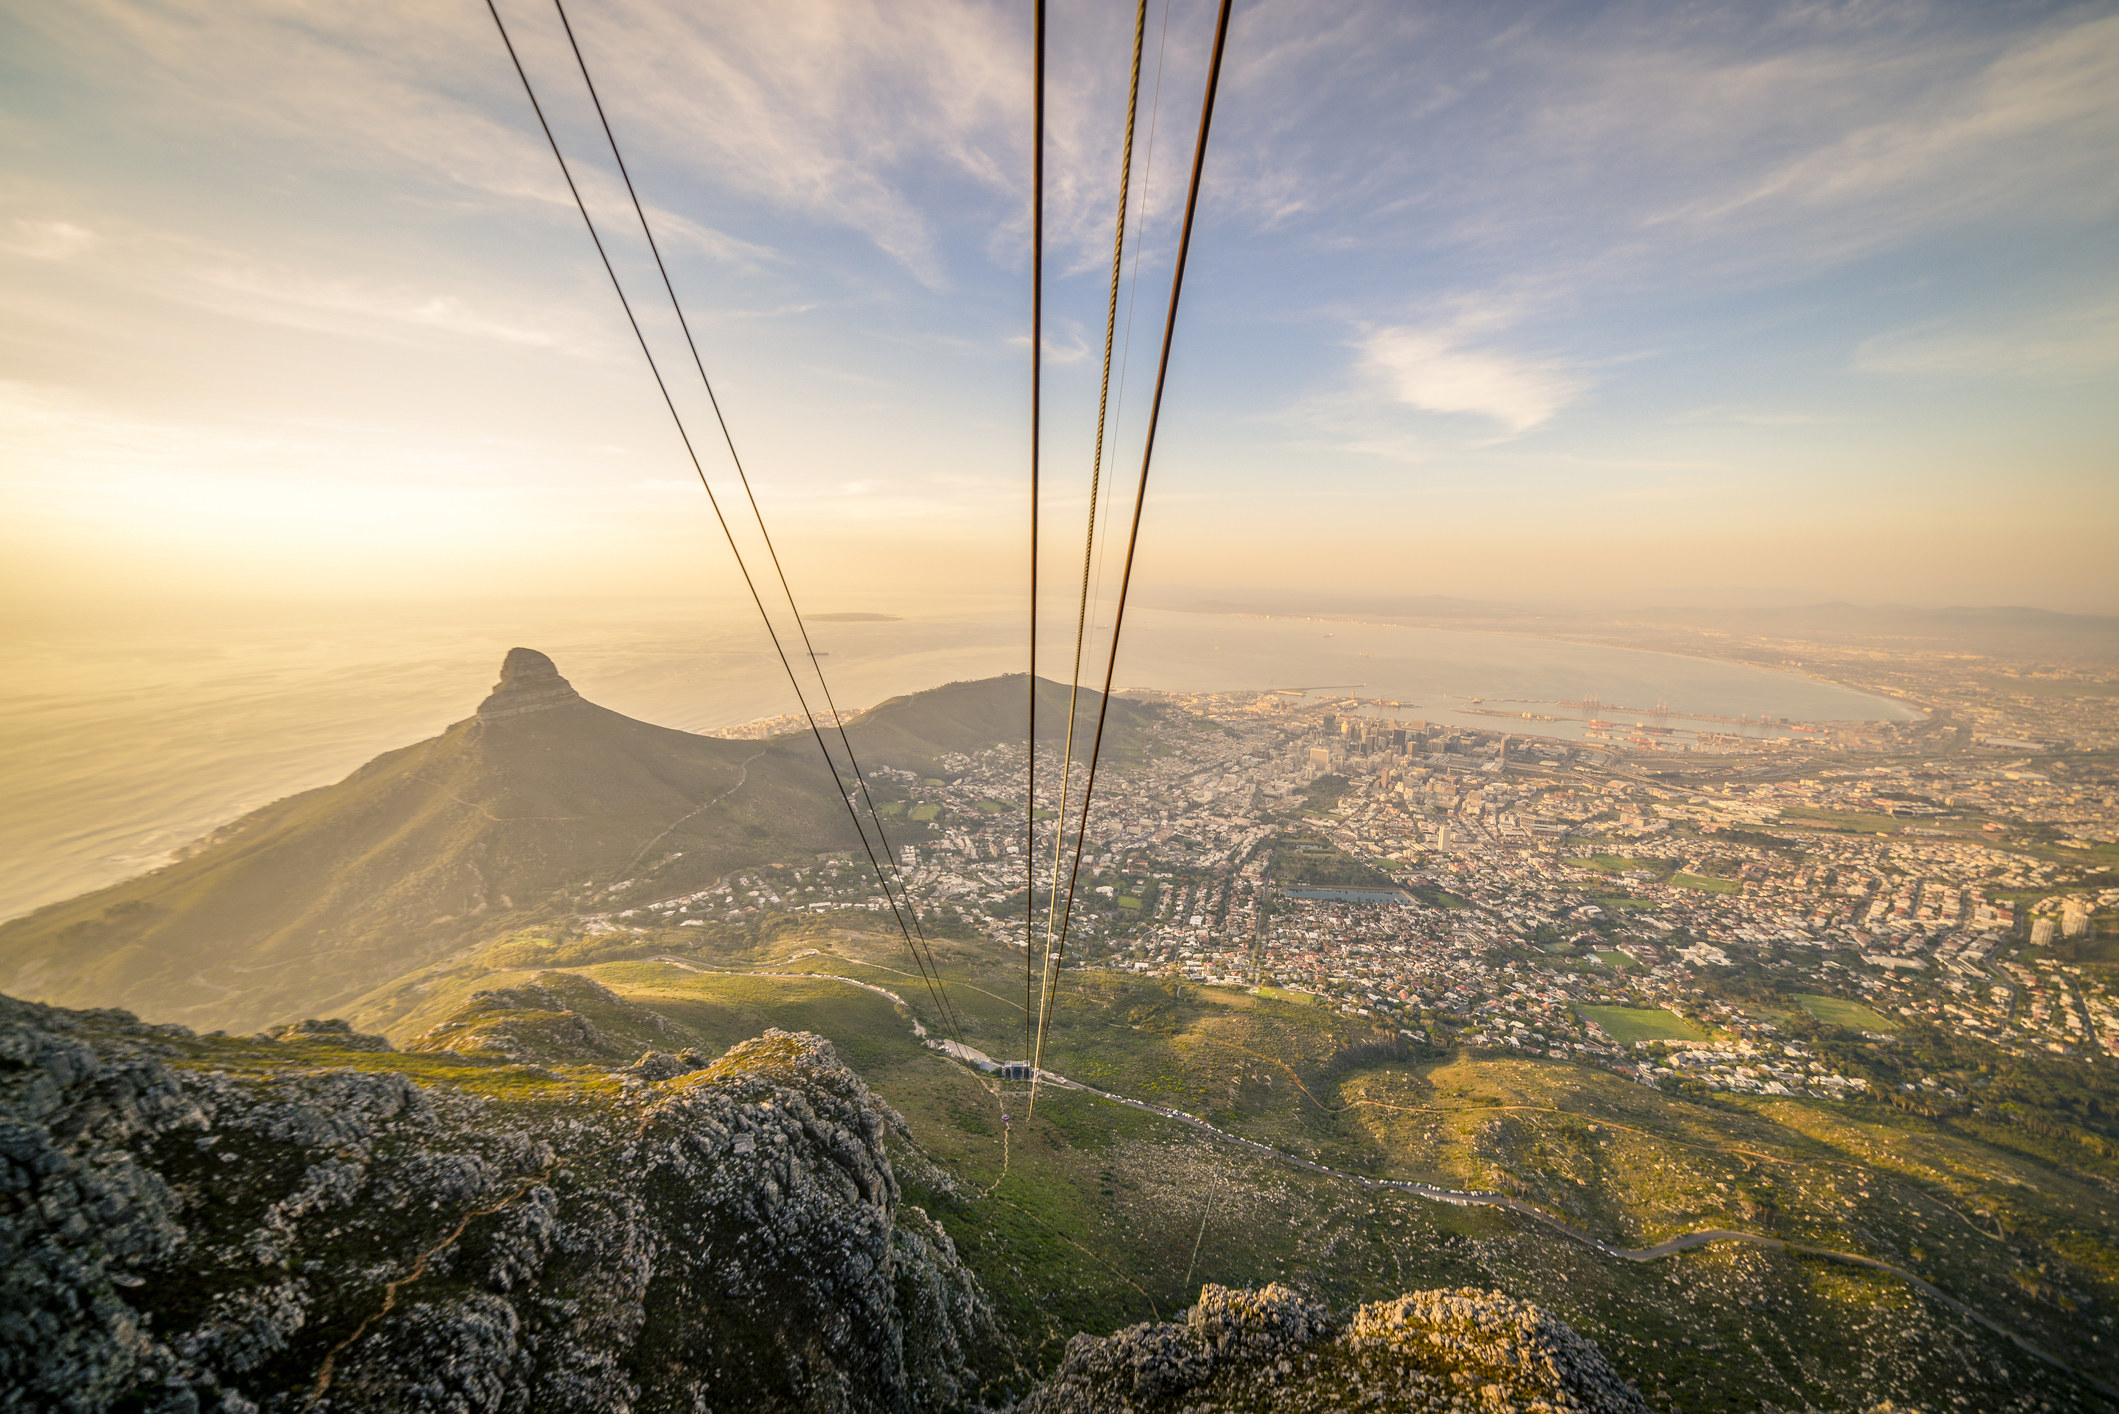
(508, 814)
(914, 731)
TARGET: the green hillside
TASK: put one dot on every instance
(1098, 1214)
(913, 732)
(533, 805)
(539, 806)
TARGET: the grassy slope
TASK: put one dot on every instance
(303, 907)
(313, 899)
(1095, 1222)
(1841, 1012)
(913, 732)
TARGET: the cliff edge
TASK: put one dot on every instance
(1271, 1352)
(318, 1223)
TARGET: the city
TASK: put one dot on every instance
(1463, 887)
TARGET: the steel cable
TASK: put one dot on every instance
(1037, 384)
(1162, 374)
(772, 551)
(1096, 474)
(924, 964)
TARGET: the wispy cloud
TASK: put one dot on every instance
(834, 111)
(46, 239)
(293, 297)
(1452, 368)
(1578, 146)
(2074, 342)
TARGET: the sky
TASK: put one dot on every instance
(1515, 300)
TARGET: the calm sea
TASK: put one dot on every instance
(120, 745)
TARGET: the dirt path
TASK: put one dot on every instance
(1463, 1197)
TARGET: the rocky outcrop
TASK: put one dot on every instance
(529, 682)
(332, 1030)
(556, 1017)
(207, 1223)
(1271, 1352)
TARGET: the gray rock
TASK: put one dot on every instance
(1265, 1352)
(332, 1031)
(226, 1226)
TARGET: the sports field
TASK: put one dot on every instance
(1627, 1024)
(1840, 1012)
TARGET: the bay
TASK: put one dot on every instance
(122, 742)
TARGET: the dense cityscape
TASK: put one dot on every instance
(1602, 898)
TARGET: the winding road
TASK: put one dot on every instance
(1461, 1197)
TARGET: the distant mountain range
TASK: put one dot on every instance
(527, 808)
(1994, 629)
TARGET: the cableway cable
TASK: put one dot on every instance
(1140, 243)
(728, 438)
(1037, 388)
(1118, 619)
(925, 965)
(1096, 475)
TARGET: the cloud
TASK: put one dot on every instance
(2064, 343)
(1752, 417)
(835, 110)
(152, 265)
(1962, 137)
(1613, 146)
(1440, 368)
(47, 240)
(792, 102)
(292, 297)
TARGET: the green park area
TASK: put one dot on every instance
(925, 812)
(1838, 1011)
(1706, 883)
(1628, 1024)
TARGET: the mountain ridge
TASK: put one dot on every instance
(525, 811)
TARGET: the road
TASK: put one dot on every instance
(1474, 1197)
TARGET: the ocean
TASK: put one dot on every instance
(120, 743)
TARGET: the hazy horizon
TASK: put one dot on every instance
(125, 745)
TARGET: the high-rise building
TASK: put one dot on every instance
(2074, 920)
(2043, 931)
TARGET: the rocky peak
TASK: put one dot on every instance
(1272, 1352)
(211, 1223)
(529, 682)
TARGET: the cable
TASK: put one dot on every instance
(1140, 224)
(933, 987)
(1147, 457)
(677, 306)
(1037, 388)
(1096, 474)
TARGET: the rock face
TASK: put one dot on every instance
(529, 682)
(553, 1017)
(204, 1223)
(338, 1033)
(1269, 1352)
